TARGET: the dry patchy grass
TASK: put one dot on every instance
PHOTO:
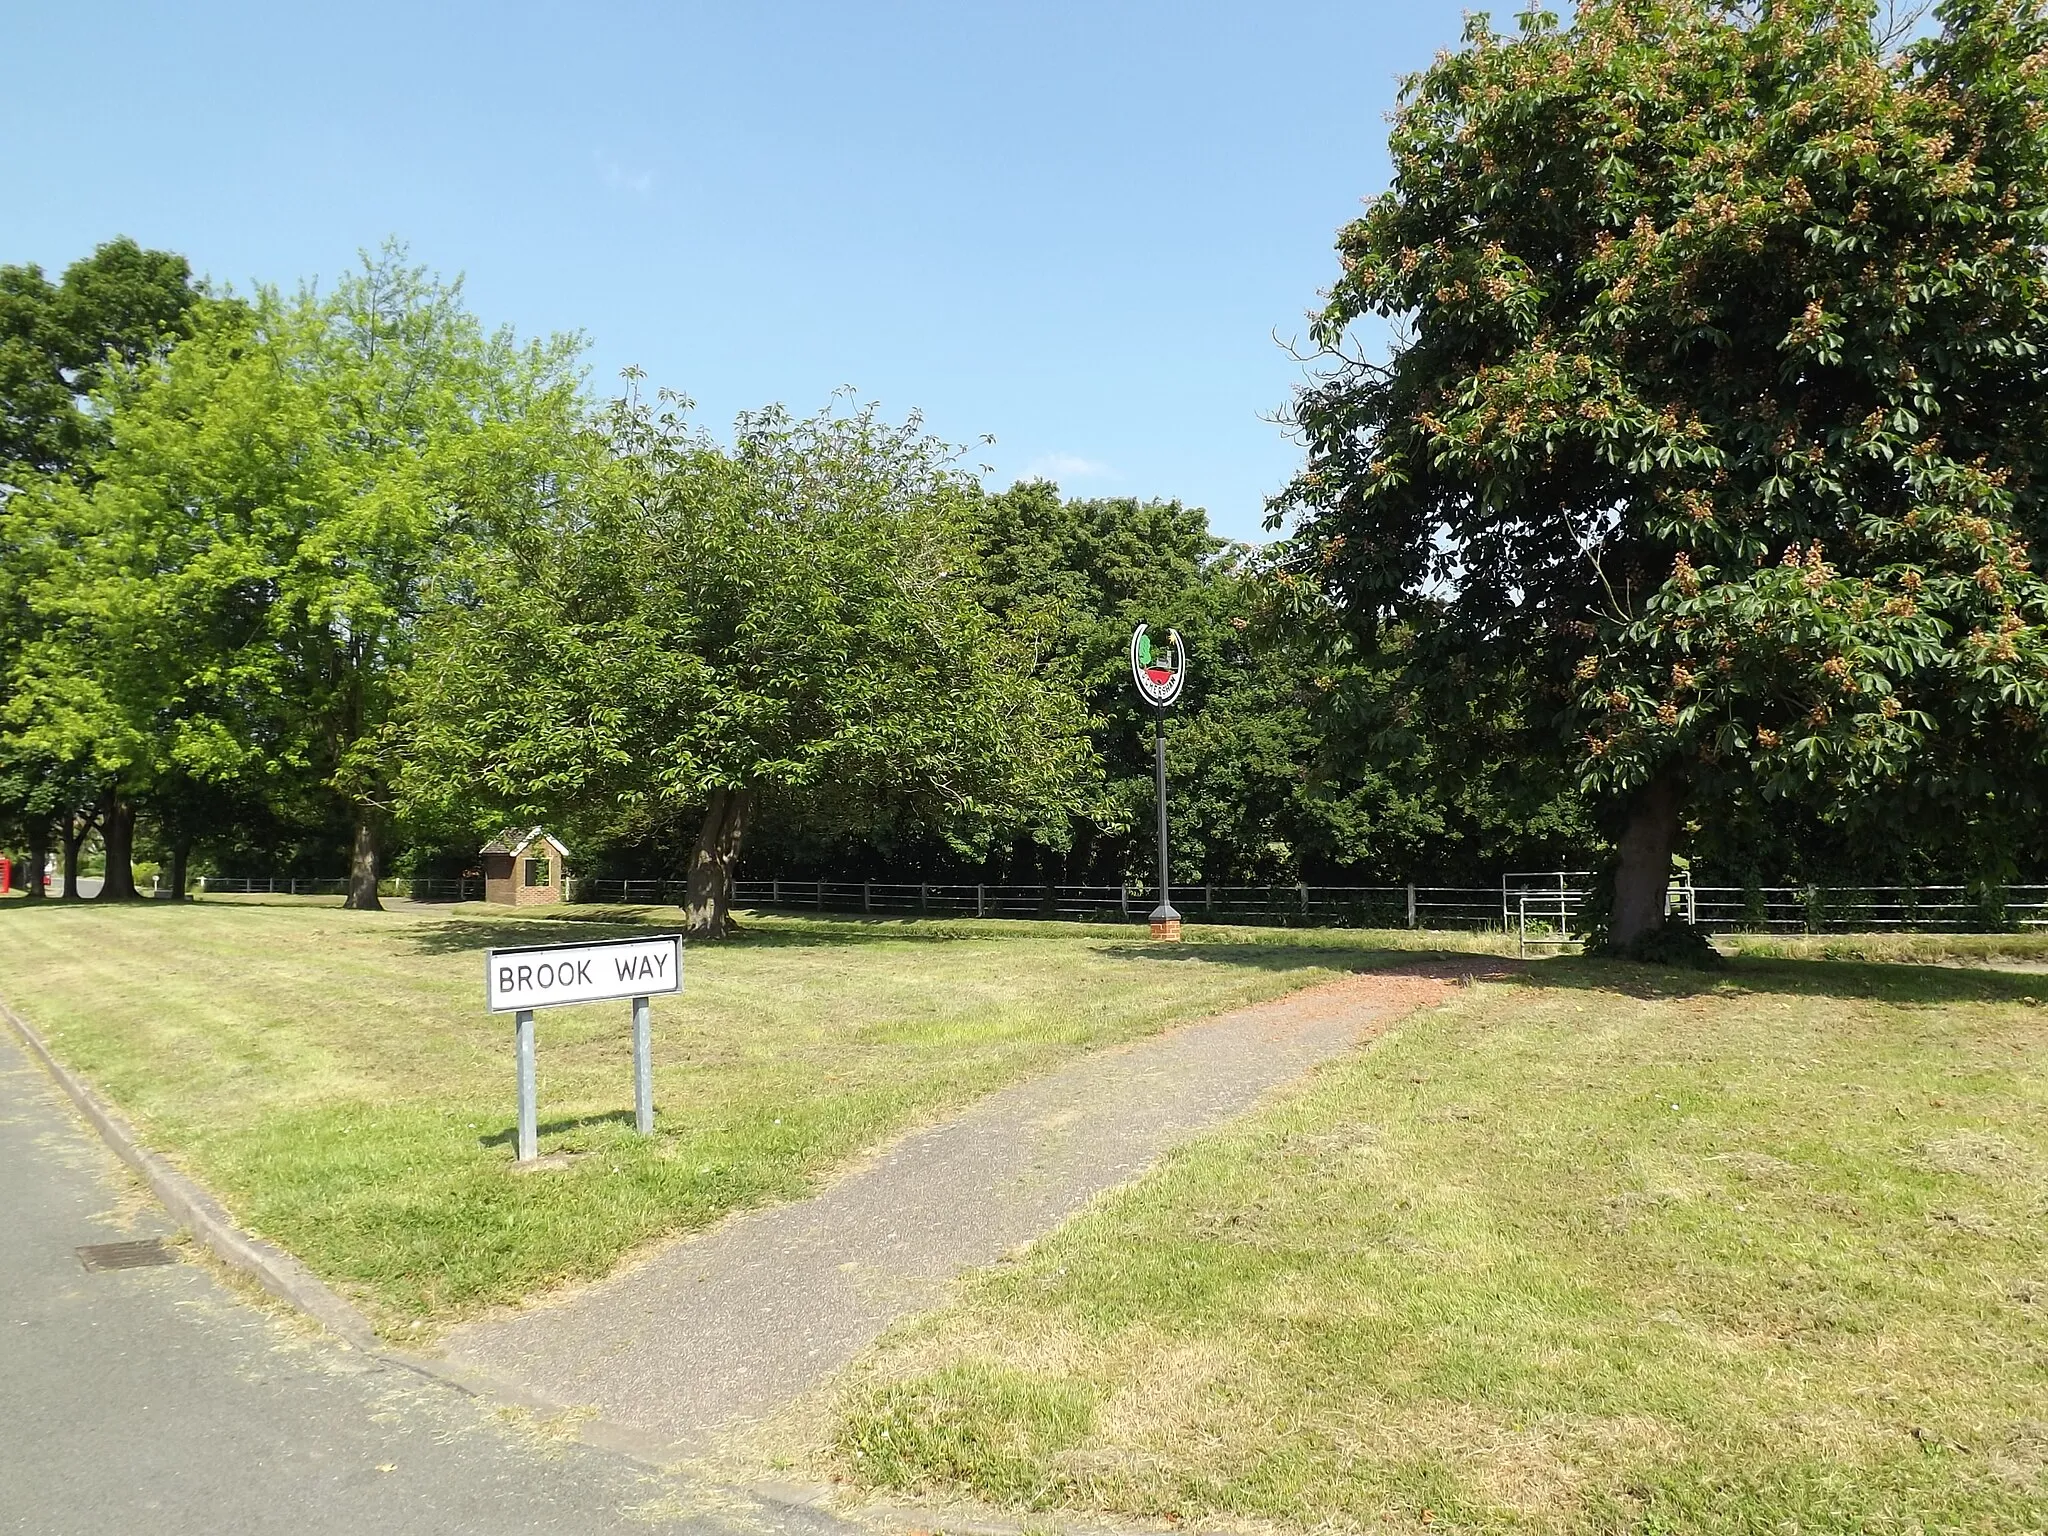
(1592, 1249)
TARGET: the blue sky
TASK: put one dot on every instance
(1076, 227)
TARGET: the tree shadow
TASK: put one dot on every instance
(1888, 981)
(1280, 956)
(457, 935)
(510, 1135)
(1885, 981)
(452, 935)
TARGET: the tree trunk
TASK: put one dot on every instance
(364, 856)
(1642, 875)
(181, 853)
(117, 832)
(708, 913)
(38, 858)
(74, 829)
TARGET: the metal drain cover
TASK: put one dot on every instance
(138, 1254)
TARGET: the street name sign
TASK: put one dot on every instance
(551, 975)
(517, 981)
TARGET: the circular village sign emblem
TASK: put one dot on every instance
(1159, 668)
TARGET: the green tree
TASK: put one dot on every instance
(61, 341)
(1282, 764)
(1709, 451)
(671, 630)
(112, 312)
(1069, 579)
(228, 608)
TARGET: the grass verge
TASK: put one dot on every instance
(1597, 1249)
(331, 1075)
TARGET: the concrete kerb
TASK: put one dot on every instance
(284, 1277)
(271, 1267)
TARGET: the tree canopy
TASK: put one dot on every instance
(1707, 459)
(681, 630)
(224, 606)
(60, 343)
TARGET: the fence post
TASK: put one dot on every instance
(1302, 886)
(1208, 899)
(867, 895)
(923, 901)
(775, 892)
(821, 895)
(1123, 897)
(1411, 903)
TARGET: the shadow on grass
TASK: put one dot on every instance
(1886, 981)
(1281, 955)
(510, 1134)
(457, 934)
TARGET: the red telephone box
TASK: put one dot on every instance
(6, 874)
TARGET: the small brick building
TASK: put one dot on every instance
(525, 869)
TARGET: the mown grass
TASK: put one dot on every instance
(2026, 948)
(1595, 1249)
(333, 1076)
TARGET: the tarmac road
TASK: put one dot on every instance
(158, 1400)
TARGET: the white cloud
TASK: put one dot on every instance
(622, 178)
(1067, 466)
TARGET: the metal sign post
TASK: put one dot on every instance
(1160, 671)
(519, 981)
(522, 1047)
(643, 1066)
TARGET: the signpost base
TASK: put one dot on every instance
(1165, 923)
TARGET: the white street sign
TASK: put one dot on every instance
(549, 975)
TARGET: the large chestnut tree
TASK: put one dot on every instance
(1708, 449)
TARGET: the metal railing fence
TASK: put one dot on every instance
(1540, 907)
(424, 888)
(1863, 908)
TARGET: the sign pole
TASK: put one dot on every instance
(643, 1067)
(1160, 671)
(1165, 921)
(529, 1135)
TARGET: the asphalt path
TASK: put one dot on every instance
(713, 1334)
(158, 1399)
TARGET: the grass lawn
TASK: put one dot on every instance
(1594, 1249)
(332, 1075)
(2024, 949)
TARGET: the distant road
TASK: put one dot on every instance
(88, 886)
